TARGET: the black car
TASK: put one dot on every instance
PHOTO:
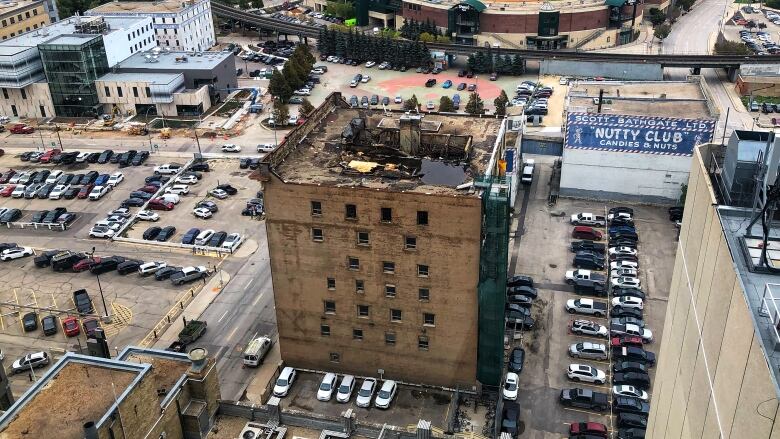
(520, 280)
(6, 245)
(133, 202)
(622, 222)
(525, 291)
(106, 264)
(189, 237)
(510, 418)
(30, 322)
(623, 243)
(521, 300)
(200, 167)
(516, 360)
(165, 272)
(629, 366)
(587, 261)
(624, 234)
(151, 233)
(629, 420)
(520, 323)
(141, 194)
(44, 259)
(71, 193)
(621, 209)
(577, 246)
(25, 156)
(66, 218)
(44, 191)
(228, 188)
(627, 404)
(92, 157)
(11, 215)
(243, 163)
(49, 325)
(589, 287)
(39, 216)
(640, 380)
(620, 311)
(128, 266)
(41, 176)
(82, 301)
(630, 433)
(89, 177)
(210, 205)
(53, 214)
(166, 233)
(217, 239)
(631, 292)
(115, 157)
(676, 213)
(152, 178)
(635, 354)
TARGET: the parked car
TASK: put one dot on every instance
(516, 360)
(591, 430)
(327, 386)
(344, 391)
(386, 394)
(366, 392)
(588, 350)
(284, 382)
(16, 253)
(70, 326)
(510, 388)
(584, 398)
(166, 233)
(30, 321)
(29, 362)
(510, 418)
(585, 373)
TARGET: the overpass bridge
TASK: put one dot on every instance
(729, 62)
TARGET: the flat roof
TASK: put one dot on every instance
(72, 40)
(142, 7)
(165, 372)
(66, 27)
(648, 98)
(7, 7)
(151, 78)
(167, 60)
(322, 158)
(510, 6)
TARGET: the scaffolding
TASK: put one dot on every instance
(492, 278)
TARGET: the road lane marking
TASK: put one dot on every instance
(259, 296)
(223, 316)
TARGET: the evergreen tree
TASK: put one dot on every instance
(321, 41)
(281, 114)
(475, 105)
(479, 61)
(305, 108)
(471, 62)
(500, 102)
(243, 4)
(518, 65)
(405, 29)
(425, 55)
(446, 105)
(411, 104)
(292, 75)
(341, 45)
(278, 87)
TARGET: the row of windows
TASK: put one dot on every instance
(27, 29)
(396, 315)
(120, 93)
(413, 6)
(138, 46)
(19, 17)
(423, 343)
(386, 213)
(388, 267)
(138, 32)
(423, 294)
(363, 238)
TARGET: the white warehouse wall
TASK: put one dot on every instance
(623, 176)
(121, 43)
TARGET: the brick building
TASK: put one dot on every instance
(375, 249)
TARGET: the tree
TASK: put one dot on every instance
(243, 4)
(657, 16)
(426, 37)
(500, 103)
(411, 103)
(278, 87)
(343, 10)
(662, 31)
(305, 108)
(732, 48)
(518, 65)
(281, 114)
(475, 105)
(446, 105)
(68, 8)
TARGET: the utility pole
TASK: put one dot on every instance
(57, 130)
(107, 316)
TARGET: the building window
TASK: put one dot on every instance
(128, 37)
(13, 20)
(410, 243)
(388, 267)
(148, 92)
(387, 215)
(119, 91)
(35, 26)
(390, 338)
(316, 208)
(27, 14)
(389, 290)
(5, 23)
(24, 94)
(429, 319)
(362, 310)
(325, 330)
(13, 111)
(108, 91)
(424, 294)
(331, 283)
(362, 238)
(5, 93)
(43, 111)
(422, 343)
(316, 235)
(395, 315)
(135, 92)
(422, 217)
(360, 286)
(422, 270)
(351, 211)
(35, 12)
(330, 307)
(335, 357)
(357, 334)
(353, 263)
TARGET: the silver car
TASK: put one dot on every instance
(366, 392)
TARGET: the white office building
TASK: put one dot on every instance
(178, 25)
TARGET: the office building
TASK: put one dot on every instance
(178, 25)
(17, 18)
(380, 263)
(719, 361)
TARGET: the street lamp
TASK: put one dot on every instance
(149, 132)
(107, 316)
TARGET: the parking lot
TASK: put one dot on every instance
(762, 29)
(542, 250)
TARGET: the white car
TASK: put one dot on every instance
(620, 215)
(115, 178)
(510, 386)
(53, 176)
(628, 302)
(218, 193)
(30, 361)
(58, 191)
(618, 272)
(398, 99)
(624, 264)
(626, 282)
(101, 231)
(284, 382)
(15, 179)
(148, 215)
(586, 327)
(345, 389)
(229, 147)
(585, 373)
(16, 253)
(167, 169)
(622, 251)
(186, 179)
(151, 267)
(232, 241)
(327, 386)
(122, 211)
(202, 212)
(365, 393)
(430, 105)
(629, 391)
(82, 157)
(178, 189)
(266, 147)
(19, 191)
(365, 79)
(370, 64)
(302, 92)
(98, 192)
(386, 394)
(563, 81)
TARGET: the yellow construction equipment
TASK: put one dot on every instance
(165, 133)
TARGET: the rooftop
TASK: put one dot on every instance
(355, 147)
(113, 7)
(65, 27)
(165, 372)
(71, 40)
(651, 98)
(10, 6)
(151, 78)
(176, 61)
(509, 6)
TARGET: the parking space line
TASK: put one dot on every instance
(587, 412)
(596, 386)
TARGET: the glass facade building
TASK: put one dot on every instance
(72, 63)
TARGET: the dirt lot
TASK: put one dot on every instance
(544, 374)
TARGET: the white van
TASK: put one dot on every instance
(170, 198)
(265, 147)
(256, 350)
(528, 172)
(203, 237)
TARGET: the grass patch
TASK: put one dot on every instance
(229, 108)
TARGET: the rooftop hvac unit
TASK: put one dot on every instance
(252, 430)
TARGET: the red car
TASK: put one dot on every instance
(160, 204)
(149, 189)
(21, 128)
(8, 190)
(84, 192)
(85, 264)
(71, 326)
(626, 341)
(48, 155)
(591, 428)
(585, 232)
(89, 326)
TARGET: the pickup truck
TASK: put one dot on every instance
(586, 306)
(588, 219)
(584, 398)
(192, 331)
(619, 329)
(574, 275)
(189, 274)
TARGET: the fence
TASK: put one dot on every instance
(169, 318)
(36, 226)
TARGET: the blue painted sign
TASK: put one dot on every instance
(639, 134)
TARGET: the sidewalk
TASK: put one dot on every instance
(272, 363)
(640, 45)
